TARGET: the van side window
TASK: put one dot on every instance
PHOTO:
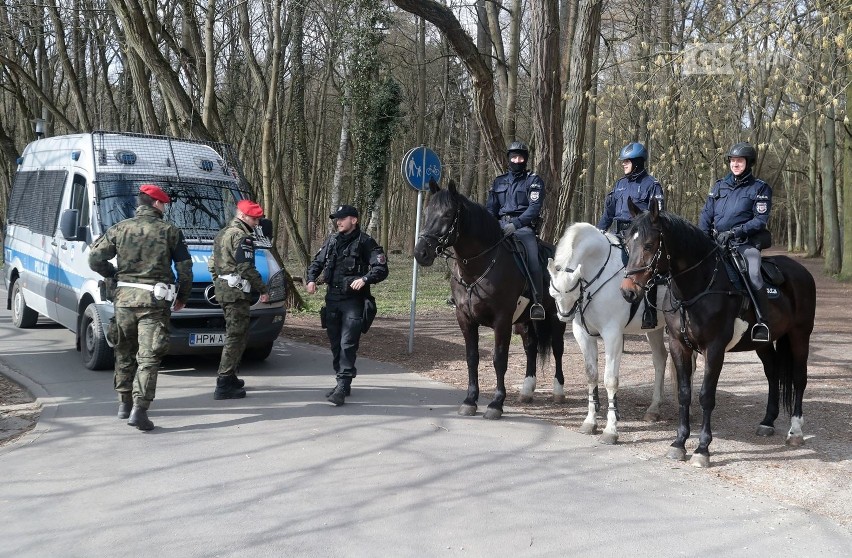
(79, 199)
(35, 200)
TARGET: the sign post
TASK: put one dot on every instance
(419, 166)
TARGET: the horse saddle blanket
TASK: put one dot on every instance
(772, 276)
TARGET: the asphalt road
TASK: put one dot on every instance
(394, 472)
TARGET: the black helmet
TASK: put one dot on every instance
(518, 147)
(743, 149)
(633, 150)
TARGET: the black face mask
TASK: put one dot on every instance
(517, 168)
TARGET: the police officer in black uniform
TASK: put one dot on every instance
(644, 189)
(736, 212)
(351, 261)
(516, 199)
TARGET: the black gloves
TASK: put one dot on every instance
(724, 237)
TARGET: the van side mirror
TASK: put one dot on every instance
(68, 223)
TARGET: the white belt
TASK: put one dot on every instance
(161, 291)
(237, 282)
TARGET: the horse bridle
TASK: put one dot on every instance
(651, 266)
(447, 239)
(582, 284)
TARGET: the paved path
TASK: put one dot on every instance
(394, 472)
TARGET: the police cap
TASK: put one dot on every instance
(344, 211)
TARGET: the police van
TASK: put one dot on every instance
(68, 190)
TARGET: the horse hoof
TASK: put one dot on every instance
(651, 417)
(525, 398)
(588, 428)
(700, 460)
(559, 398)
(467, 410)
(677, 454)
(493, 414)
(765, 431)
(795, 440)
(609, 438)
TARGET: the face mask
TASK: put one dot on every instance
(517, 168)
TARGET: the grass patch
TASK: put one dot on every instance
(393, 295)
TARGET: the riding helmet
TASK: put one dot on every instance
(745, 150)
(518, 147)
(633, 150)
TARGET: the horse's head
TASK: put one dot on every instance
(441, 224)
(565, 288)
(646, 257)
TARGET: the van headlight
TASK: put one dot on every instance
(277, 287)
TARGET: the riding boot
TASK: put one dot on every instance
(124, 405)
(649, 315)
(749, 267)
(139, 419)
(228, 388)
(347, 392)
(536, 280)
(338, 395)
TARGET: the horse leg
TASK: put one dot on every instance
(683, 362)
(470, 332)
(557, 345)
(530, 340)
(798, 361)
(502, 337)
(707, 399)
(613, 347)
(769, 358)
(589, 348)
(658, 356)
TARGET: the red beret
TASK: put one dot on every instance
(250, 208)
(155, 192)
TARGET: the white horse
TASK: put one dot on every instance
(585, 281)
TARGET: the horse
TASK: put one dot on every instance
(706, 312)
(582, 283)
(487, 285)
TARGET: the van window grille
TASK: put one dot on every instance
(34, 202)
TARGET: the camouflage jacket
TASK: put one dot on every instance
(144, 247)
(233, 253)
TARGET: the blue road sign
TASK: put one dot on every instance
(419, 166)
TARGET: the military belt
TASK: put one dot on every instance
(161, 291)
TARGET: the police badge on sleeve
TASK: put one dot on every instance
(534, 195)
(761, 207)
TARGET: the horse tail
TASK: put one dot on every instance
(784, 362)
(543, 333)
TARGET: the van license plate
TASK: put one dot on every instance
(206, 339)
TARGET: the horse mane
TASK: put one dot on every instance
(476, 221)
(571, 238)
(681, 236)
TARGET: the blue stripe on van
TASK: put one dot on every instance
(200, 256)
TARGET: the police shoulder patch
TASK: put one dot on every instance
(534, 195)
(382, 259)
(761, 207)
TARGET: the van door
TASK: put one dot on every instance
(70, 262)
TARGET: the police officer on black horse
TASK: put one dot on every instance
(351, 261)
(643, 189)
(516, 199)
(736, 214)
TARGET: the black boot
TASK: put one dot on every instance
(124, 405)
(338, 394)
(239, 381)
(139, 419)
(347, 392)
(649, 315)
(227, 388)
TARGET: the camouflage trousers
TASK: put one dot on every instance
(143, 341)
(236, 335)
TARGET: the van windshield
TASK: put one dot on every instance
(199, 208)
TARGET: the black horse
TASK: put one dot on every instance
(486, 285)
(706, 312)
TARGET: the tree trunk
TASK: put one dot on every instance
(813, 186)
(831, 232)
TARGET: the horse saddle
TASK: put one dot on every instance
(773, 277)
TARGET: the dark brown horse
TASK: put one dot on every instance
(706, 312)
(486, 285)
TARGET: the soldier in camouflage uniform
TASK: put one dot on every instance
(234, 278)
(144, 247)
(350, 261)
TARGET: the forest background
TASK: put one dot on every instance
(322, 98)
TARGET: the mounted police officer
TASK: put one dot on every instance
(644, 189)
(736, 213)
(350, 261)
(516, 199)
(144, 247)
(234, 279)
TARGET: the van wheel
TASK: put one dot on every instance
(97, 354)
(22, 315)
(257, 354)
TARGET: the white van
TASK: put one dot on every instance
(68, 190)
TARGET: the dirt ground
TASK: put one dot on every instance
(817, 476)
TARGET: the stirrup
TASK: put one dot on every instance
(537, 312)
(760, 333)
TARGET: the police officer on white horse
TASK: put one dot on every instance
(516, 199)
